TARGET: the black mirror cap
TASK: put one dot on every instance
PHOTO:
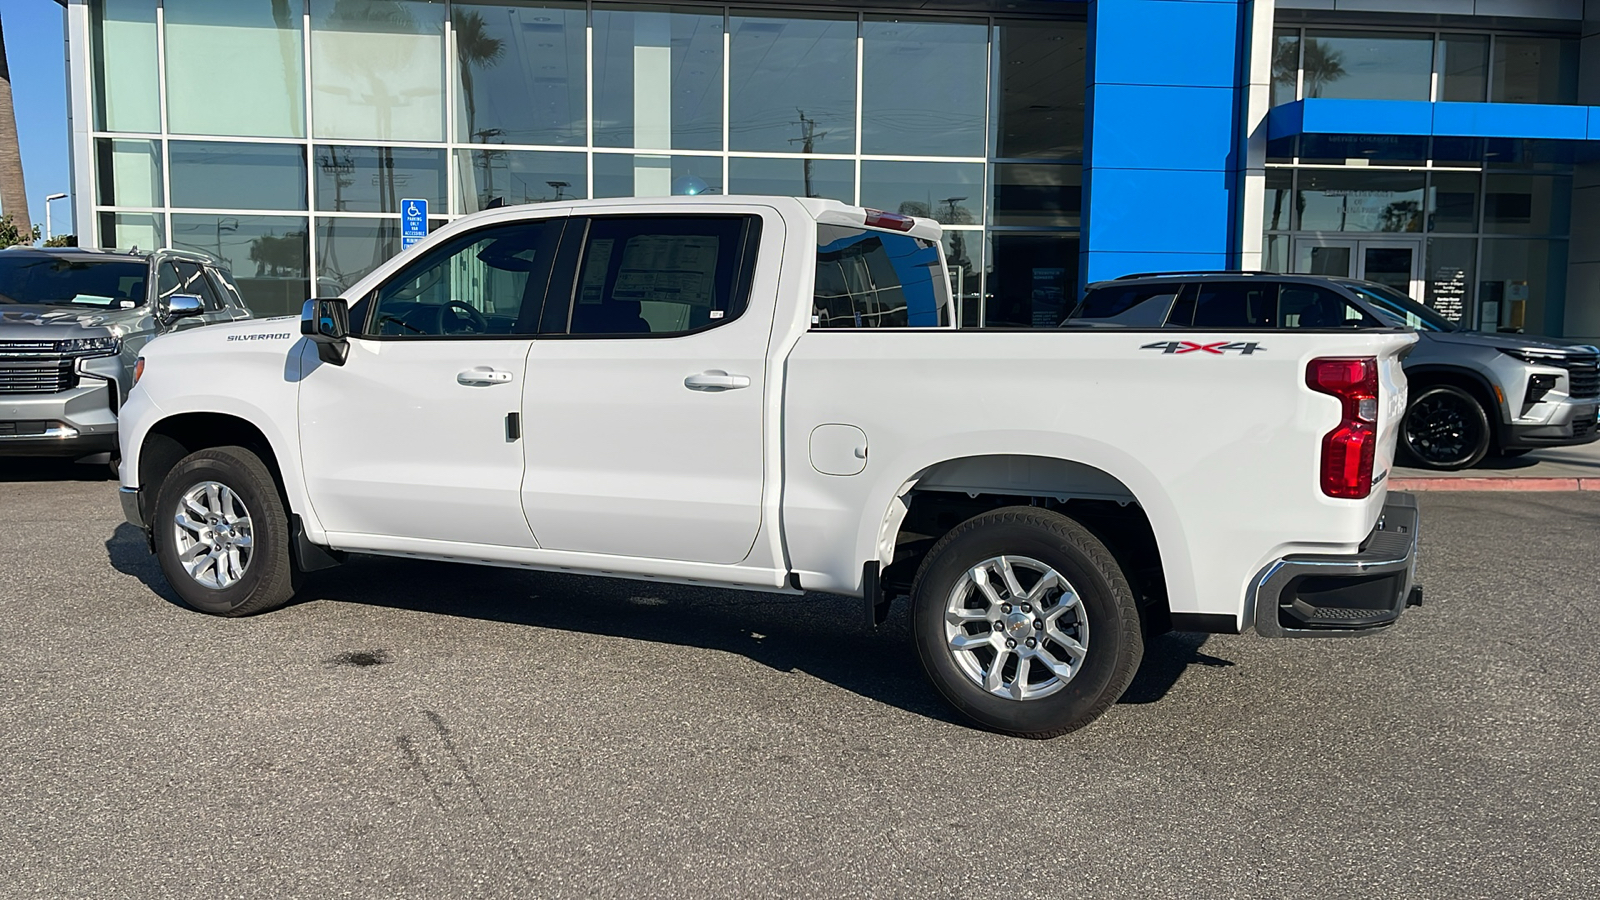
(181, 306)
(325, 320)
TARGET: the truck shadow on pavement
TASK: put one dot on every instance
(28, 468)
(818, 634)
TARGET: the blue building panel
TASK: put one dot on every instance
(1419, 117)
(1191, 43)
(1166, 211)
(1114, 264)
(1188, 136)
(1511, 120)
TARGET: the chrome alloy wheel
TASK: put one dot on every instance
(1016, 628)
(214, 537)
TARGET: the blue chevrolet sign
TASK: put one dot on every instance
(413, 222)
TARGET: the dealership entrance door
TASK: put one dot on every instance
(1396, 262)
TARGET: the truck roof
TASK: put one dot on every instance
(828, 212)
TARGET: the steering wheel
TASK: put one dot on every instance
(456, 317)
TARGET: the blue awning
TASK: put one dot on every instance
(1421, 118)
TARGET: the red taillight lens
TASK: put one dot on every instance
(877, 218)
(1347, 451)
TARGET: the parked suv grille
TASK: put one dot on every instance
(1583, 375)
(39, 378)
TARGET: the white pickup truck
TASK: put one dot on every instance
(770, 393)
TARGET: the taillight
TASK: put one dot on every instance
(877, 218)
(1347, 451)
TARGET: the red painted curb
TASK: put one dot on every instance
(1494, 484)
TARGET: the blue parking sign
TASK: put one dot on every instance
(413, 222)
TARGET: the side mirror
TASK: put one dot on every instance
(180, 306)
(327, 324)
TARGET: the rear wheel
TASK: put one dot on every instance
(1446, 429)
(222, 534)
(1024, 622)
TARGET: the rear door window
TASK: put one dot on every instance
(1245, 305)
(878, 279)
(659, 275)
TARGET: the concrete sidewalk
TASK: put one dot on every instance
(1555, 469)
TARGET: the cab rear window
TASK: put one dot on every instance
(878, 279)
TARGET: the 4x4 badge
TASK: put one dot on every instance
(1218, 348)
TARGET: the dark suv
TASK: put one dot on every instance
(1471, 393)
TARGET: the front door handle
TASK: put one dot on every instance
(482, 375)
(716, 380)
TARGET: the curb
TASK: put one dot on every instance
(1494, 484)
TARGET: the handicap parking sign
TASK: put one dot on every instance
(413, 222)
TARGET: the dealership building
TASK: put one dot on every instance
(1445, 147)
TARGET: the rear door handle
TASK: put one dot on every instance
(482, 375)
(716, 380)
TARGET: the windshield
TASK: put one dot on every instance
(1400, 309)
(39, 280)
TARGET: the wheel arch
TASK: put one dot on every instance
(943, 494)
(174, 437)
(1470, 380)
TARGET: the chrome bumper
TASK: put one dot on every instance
(1314, 595)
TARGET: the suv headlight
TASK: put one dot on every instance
(1538, 357)
(96, 346)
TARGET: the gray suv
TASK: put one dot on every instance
(72, 323)
(1471, 393)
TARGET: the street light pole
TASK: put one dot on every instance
(49, 230)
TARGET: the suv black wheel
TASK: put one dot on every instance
(222, 534)
(1024, 622)
(1445, 428)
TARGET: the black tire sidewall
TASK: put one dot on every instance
(269, 532)
(1111, 639)
(1476, 416)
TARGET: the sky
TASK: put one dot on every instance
(36, 54)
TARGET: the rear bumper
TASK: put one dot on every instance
(1315, 595)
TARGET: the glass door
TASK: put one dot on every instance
(1395, 262)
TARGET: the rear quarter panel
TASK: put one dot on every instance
(1221, 450)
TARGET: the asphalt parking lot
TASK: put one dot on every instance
(426, 730)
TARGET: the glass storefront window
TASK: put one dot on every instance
(520, 70)
(1033, 280)
(1463, 67)
(127, 86)
(1275, 253)
(216, 175)
(1368, 65)
(1453, 202)
(963, 257)
(1526, 204)
(657, 79)
(129, 172)
(378, 69)
(1285, 66)
(1449, 277)
(1522, 286)
(952, 193)
(924, 87)
(1038, 196)
(267, 255)
(260, 92)
(127, 231)
(1379, 149)
(1277, 208)
(651, 175)
(349, 249)
(1534, 70)
(833, 179)
(376, 179)
(792, 83)
(1040, 110)
(518, 176)
(1360, 200)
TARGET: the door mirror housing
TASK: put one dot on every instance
(327, 323)
(180, 306)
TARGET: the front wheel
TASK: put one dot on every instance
(222, 534)
(1024, 622)
(1446, 429)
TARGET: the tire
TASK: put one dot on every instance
(1105, 621)
(250, 570)
(1445, 429)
